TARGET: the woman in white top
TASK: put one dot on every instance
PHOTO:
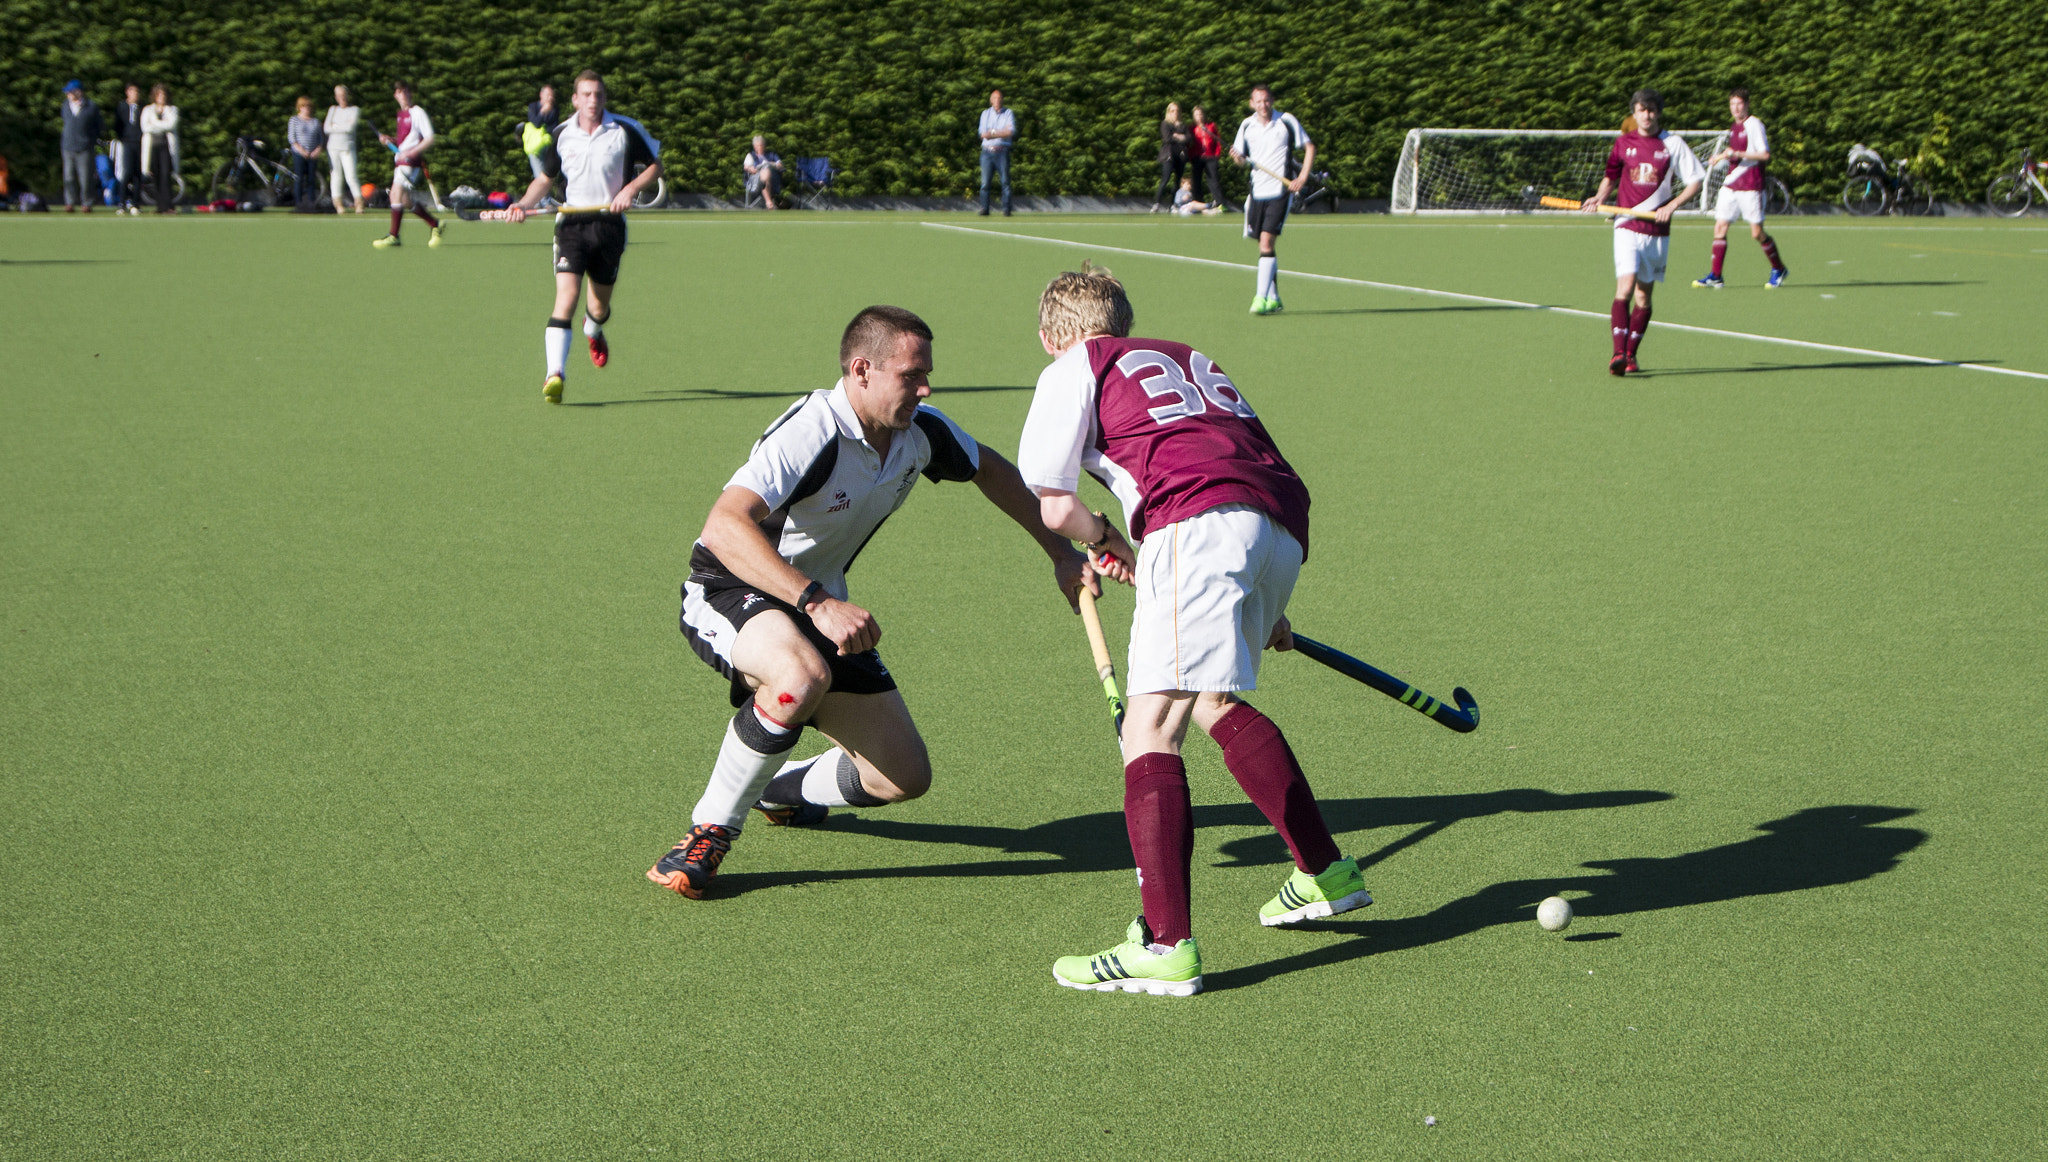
(160, 148)
(341, 150)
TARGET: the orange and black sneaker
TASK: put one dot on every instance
(688, 867)
(600, 351)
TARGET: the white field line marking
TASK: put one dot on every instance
(1514, 303)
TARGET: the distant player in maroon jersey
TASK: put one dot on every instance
(408, 167)
(1221, 523)
(1749, 149)
(1639, 172)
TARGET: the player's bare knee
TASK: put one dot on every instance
(1211, 706)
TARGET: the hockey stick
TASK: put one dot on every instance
(1104, 668)
(1568, 204)
(1464, 719)
(506, 215)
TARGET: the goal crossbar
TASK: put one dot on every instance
(1496, 171)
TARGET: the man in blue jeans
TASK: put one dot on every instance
(998, 133)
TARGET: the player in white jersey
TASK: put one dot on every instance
(1266, 141)
(592, 152)
(766, 602)
(1748, 151)
(408, 168)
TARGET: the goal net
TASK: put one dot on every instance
(1492, 171)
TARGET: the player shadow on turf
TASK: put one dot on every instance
(713, 394)
(1814, 848)
(60, 261)
(1873, 283)
(1098, 842)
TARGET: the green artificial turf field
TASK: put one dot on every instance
(344, 707)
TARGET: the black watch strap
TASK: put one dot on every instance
(1107, 529)
(815, 591)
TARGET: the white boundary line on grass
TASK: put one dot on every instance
(1515, 303)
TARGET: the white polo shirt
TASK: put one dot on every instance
(827, 488)
(1269, 145)
(594, 165)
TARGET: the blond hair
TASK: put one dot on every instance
(1081, 303)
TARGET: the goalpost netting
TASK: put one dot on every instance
(1490, 171)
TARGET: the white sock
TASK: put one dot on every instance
(821, 782)
(591, 327)
(1269, 277)
(557, 347)
(742, 772)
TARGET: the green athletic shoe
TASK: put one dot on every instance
(1134, 968)
(1305, 897)
(1259, 305)
(387, 242)
(1273, 306)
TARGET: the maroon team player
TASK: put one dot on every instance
(1748, 149)
(1221, 522)
(1639, 172)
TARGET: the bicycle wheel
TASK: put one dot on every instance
(652, 195)
(1865, 195)
(1777, 199)
(2009, 196)
(1913, 201)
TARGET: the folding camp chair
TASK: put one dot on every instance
(814, 176)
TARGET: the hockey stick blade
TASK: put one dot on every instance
(1464, 718)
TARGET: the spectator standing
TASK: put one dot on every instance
(160, 148)
(308, 139)
(1173, 154)
(764, 173)
(340, 127)
(998, 134)
(83, 128)
(128, 148)
(1205, 152)
(537, 135)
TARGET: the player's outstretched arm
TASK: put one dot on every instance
(1063, 513)
(1592, 205)
(1004, 486)
(733, 534)
(535, 190)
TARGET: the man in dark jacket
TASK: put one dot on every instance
(83, 129)
(128, 135)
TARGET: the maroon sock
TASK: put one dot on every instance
(397, 219)
(1638, 322)
(422, 212)
(1264, 765)
(1720, 253)
(1771, 252)
(1620, 314)
(1162, 826)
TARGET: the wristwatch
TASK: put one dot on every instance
(813, 592)
(1107, 528)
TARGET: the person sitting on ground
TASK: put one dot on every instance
(764, 173)
(1185, 203)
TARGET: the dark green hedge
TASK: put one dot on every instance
(890, 90)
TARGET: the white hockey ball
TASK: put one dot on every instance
(1554, 914)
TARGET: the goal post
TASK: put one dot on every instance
(1495, 171)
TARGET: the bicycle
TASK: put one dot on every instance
(252, 176)
(1315, 189)
(2011, 194)
(1871, 189)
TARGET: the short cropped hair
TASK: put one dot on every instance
(1742, 93)
(1081, 303)
(588, 75)
(875, 332)
(1648, 99)
(403, 86)
(1266, 89)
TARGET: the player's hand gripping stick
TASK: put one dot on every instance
(1464, 719)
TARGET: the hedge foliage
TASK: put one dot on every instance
(890, 89)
